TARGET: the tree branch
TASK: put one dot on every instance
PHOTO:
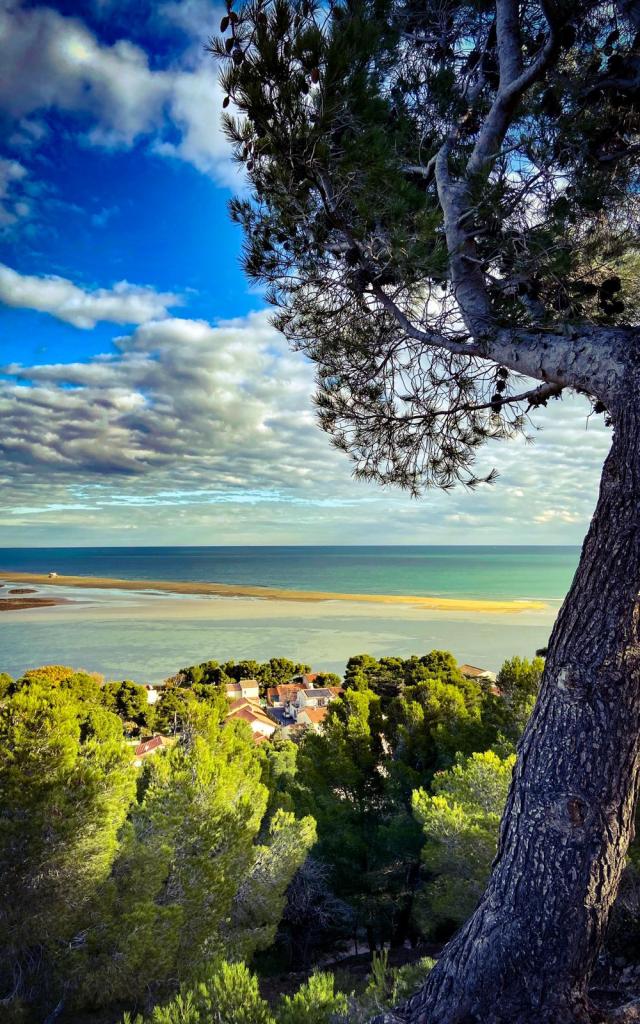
(513, 82)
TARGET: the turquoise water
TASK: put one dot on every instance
(483, 572)
(143, 637)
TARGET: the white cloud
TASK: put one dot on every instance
(562, 515)
(214, 424)
(11, 206)
(56, 62)
(124, 303)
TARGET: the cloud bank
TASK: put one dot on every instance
(211, 427)
(53, 62)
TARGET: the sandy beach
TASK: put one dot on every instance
(442, 604)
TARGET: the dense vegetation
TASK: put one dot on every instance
(161, 889)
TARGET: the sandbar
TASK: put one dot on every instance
(18, 604)
(443, 604)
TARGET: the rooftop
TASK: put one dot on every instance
(315, 715)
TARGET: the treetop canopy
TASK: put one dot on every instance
(444, 205)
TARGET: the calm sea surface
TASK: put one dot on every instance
(484, 572)
(147, 638)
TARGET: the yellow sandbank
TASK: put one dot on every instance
(444, 604)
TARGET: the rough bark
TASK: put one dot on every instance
(527, 952)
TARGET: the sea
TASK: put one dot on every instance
(149, 636)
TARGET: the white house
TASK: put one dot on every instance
(254, 716)
(247, 689)
(313, 699)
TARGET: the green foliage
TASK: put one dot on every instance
(268, 673)
(128, 700)
(388, 677)
(84, 685)
(229, 994)
(315, 1002)
(173, 709)
(340, 115)
(137, 885)
(327, 679)
(429, 724)
(185, 853)
(279, 771)
(460, 821)
(118, 887)
(260, 898)
(389, 986)
(6, 684)
(506, 714)
(65, 787)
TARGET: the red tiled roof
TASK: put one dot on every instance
(244, 702)
(249, 713)
(284, 692)
(149, 745)
(473, 671)
(315, 715)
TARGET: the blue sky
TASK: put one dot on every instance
(144, 397)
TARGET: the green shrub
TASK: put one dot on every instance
(315, 1002)
(229, 994)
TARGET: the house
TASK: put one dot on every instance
(247, 689)
(313, 718)
(479, 675)
(281, 696)
(147, 747)
(308, 699)
(250, 712)
(306, 680)
(152, 694)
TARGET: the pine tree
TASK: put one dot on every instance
(444, 201)
(66, 784)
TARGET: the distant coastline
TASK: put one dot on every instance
(445, 604)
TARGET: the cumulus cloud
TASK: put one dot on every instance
(225, 404)
(124, 303)
(55, 62)
(212, 427)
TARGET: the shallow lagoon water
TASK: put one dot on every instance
(149, 637)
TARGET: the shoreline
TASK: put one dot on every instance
(444, 604)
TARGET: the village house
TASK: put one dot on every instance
(250, 712)
(313, 699)
(281, 696)
(483, 676)
(480, 675)
(152, 694)
(148, 747)
(312, 718)
(306, 680)
(247, 689)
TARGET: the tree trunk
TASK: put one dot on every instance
(527, 952)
